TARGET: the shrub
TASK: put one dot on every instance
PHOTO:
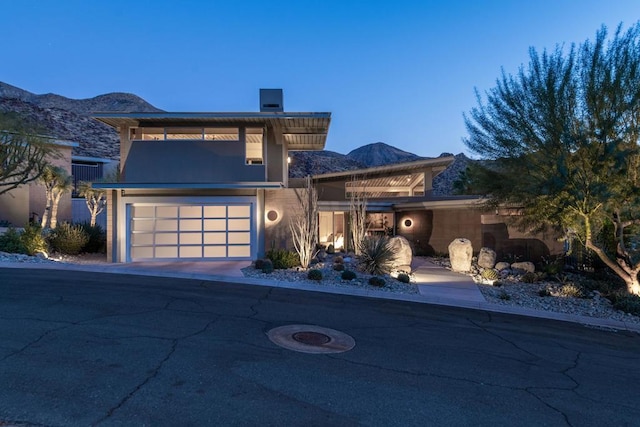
(33, 240)
(625, 302)
(331, 249)
(348, 275)
(68, 239)
(529, 277)
(338, 260)
(404, 278)
(97, 238)
(314, 275)
(338, 267)
(259, 264)
(377, 256)
(376, 281)
(571, 290)
(544, 292)
(11, 242)
(4, 223)
(267, 266)
(489, 274)
(283, 259)
(504, 296)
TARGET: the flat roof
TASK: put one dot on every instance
(187, 186)
(395, 167)
(300, 131)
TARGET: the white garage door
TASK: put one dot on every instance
(207, 231)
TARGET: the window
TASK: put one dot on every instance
(185, 134)
(254, 142)
(221, 134)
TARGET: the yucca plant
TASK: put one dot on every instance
(377, 256)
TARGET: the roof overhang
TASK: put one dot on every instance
(466, 202)
(187, 186)
(437, 165)
(300, 131)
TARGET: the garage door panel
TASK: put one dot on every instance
(180, 231)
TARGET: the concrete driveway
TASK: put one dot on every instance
(79, 348)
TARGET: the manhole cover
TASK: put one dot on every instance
(311, 339)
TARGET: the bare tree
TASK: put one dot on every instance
(56, 183)
(95, 198)
(23, 155)
(358, 213)
(304, 223)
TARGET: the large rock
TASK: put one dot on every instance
(403, 253)
(487, 258)
(502, 266)
(527, 267)
(460, 254)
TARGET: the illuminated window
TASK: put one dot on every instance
(254, 142)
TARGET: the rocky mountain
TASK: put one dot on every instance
(70, 119)
(379, 153)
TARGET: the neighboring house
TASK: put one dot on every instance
(27, 202)
(193, 186)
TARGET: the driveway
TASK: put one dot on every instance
(79, 348)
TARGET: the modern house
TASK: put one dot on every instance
(215, 186)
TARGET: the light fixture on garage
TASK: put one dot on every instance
(272, 215)
(408, 223)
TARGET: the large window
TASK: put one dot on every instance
(331, 229)
(254, 141)
(185, 134)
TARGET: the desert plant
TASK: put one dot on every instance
(403, 277)
(331, 249)
(627, 303)
(56, 182)
(258, 264)
(490, 274)
(338, 260)
(95, 199)
(529, 277)
(348, 275)
(314, 275)
(376, 255)
(97, 238)
(68, 239)
(283, 259)
(267, 266)
(571, 290)
(544, 292)
(33, 240)
(338, 267)
(376, 281)
(303, 224)
(504, 296)
(11, 242)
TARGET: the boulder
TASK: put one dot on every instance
(526, 267)
(502, 266)
(402, 250)
(460, 254)
(487, 258)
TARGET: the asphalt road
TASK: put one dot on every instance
(98, 349)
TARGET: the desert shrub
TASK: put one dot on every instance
(338, 260)
(314, 275)
(259, 264)
(68, 239)
(504, 296)
(376, 281)
(4, 223)
(11, 242)
(283, 259)
(348, 275)
(625, 302)
(338, 267)
(489, 274)
(571, 290)
(529, 277)
(331, 249)
(544, 292)
(403, 277)
(267, 266)
(33, 240)
(97, 238)
(377, 256)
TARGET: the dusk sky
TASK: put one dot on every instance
(400, 72)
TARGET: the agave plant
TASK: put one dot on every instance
(377, 256)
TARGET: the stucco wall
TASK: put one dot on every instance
(14, 206)
(283, 203)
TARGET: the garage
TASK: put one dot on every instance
(174, 231)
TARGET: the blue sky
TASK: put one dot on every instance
(401, 72)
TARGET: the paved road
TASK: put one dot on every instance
(83, 349)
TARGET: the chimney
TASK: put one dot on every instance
(271, 100)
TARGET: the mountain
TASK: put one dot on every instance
(70, 119)
(379, 153)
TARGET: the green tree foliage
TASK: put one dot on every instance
(23, 154)
(559, 142)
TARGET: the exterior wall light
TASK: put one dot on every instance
(272, 215)
(408, 223)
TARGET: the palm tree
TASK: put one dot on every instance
(56, 182)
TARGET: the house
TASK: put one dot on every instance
(194, 186)
(27, 202)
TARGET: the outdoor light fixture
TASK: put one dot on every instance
(288, 159)
(272, 215)
(408, 222)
